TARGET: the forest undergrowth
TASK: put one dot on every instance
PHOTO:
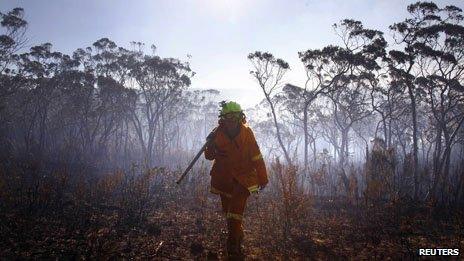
(144, 214)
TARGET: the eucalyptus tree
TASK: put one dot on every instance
(342, 74)
(39, 67)
(298, 102)
(403, 65)
(13, 38)
(269, 71)
(441, 64)
(324, 69)
(160, 82)
(430, 67)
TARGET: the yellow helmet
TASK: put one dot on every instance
(229, 107)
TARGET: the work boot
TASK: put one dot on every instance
(234, 240)
(234, 250)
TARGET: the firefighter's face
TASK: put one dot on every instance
(231, 120)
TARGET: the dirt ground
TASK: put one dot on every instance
(195, 230)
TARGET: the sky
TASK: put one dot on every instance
(217, 34)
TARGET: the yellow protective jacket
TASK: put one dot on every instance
(242, 161)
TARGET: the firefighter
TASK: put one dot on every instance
(238, 170)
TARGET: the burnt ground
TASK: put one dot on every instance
(320, 229)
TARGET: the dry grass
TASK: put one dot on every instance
(142, 213)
